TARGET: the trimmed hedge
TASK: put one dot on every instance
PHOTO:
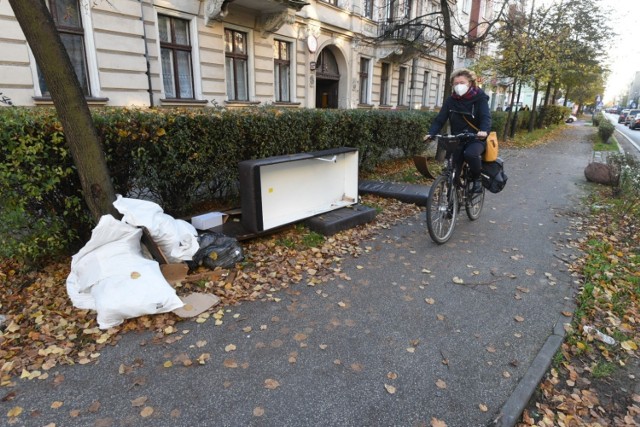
(177, 158)
(605, 127)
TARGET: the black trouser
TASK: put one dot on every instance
(473, 155)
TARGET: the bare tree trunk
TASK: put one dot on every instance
(566, 97)
(80, 133)
(532, 114)
(547, 93)
(505, 133)
(449, 45)
(514, 122)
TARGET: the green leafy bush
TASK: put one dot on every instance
(41, 209)
(605, 129)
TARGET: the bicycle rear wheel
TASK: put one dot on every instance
(442, 210)
(473, 202)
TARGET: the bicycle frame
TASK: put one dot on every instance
(450, 190)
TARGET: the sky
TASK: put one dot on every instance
(624, 46)
(624, 53)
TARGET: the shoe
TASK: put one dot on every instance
(477, 186)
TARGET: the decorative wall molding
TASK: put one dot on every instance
(215, 10)
(272, 22)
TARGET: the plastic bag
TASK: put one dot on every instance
(217, 250)
(176, 238)
(109, 274)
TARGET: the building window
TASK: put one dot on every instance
(402, 85)
(438, 87)
(466, 5)
(406, 9)
(236, 59)
(425, 89)
(390, 9)
(368, 9)
(384, 84)
(175, 50)
(333, 2)
(364, 80)
(281, 71)
(67, 18)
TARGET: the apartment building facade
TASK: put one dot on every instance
(238, 53)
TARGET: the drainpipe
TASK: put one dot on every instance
(146, 55)
(414, 72)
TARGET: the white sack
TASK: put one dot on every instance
(177, 239)
(109, 274)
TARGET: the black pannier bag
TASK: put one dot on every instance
(493, 177)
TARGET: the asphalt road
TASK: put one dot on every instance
(399, 344)
(628, 139)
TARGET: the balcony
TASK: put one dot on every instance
(401, 40)
(271, 14)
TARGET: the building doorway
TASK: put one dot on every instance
(327, 80)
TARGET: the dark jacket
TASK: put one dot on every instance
(476, 111)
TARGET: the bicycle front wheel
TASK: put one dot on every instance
(442, 210)
(473, 202)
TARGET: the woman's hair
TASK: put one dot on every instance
(466, 73)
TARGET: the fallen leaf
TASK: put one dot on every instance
(629, 345)
(147, 411)
(168, 364)
(230, 363)
(258, 411)
(457, 280)
(230, 347)
(519, 319)
(390, 389)
(57, 404)
(392, 375)
(94, 407)
(483, 407)
(271, 384)
(15, 411)
(430, 301)
(139, 401)
(567, 313)
(437, 423)
(441, 384)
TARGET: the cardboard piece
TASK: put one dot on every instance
(175, 272)
(196, 303)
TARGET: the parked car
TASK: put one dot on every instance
(631, 115)
(571, 119)
(623, 115)
(634, 122)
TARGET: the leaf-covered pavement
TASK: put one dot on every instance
(43, 330)
(592, 382)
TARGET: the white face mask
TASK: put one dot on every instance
(461, 89)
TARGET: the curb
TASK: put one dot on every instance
(516, 403)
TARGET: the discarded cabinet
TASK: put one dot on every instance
(280, 190)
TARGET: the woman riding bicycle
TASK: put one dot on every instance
(467, 110)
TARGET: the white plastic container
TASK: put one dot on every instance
(208, 220)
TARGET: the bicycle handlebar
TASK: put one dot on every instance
(458, 136)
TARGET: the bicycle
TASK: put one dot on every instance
(451, 188)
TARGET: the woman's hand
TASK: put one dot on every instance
(482, 134)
